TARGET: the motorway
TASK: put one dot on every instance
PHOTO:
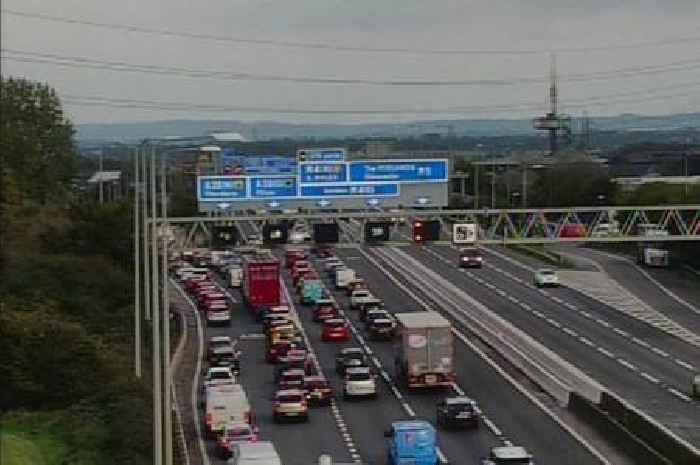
(644, 365)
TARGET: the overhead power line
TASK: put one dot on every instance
(340, 47)
(122, 66)
(601, 101)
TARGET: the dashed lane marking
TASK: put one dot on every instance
(650, 378)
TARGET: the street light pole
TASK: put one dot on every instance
(102, 192)
(493, 182)
(525, 185)
(137, 268)
(157, 361)
(146, 256)
(167, 412)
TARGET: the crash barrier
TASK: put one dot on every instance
(657, 436)
(614, 431)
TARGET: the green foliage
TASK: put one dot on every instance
(66, 291)
(661, 194)
(572, 184)
(35, 139)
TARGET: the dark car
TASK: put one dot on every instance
(370, 305)
(318, 390)
(381, 329)
(470, 257)
(458, 412)
(376, 314)
(349, 357)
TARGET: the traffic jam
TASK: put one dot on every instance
(422, 342)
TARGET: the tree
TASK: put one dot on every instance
(572, 184)
(36, 140)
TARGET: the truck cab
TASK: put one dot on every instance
(412, 442)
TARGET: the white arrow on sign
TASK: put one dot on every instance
(223, 205)
(373, 202)
(273, 204)
(323, 203)
(423, 200)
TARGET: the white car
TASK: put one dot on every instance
(359, 382)
(219, 376)
(546, 277)
(254, 453)
(358, 297)
(696, 387)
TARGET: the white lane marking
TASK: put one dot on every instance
(621, 332)
(641, 342)
(679, 394)
(491, 426)
(627, 364)
(554, 323)
(195, 380)
(519, 387)
(407, 407)
(396, 392)
(603, 323)
(586, 341)
(525, 306)
(457, 389)
(440, 455)
(685, 364)
(570, 332)
(660, 352)
(605, 352)
(648, 377)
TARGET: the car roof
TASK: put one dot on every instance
(215, 369)
(357, 370)
(290, 392)
(411, 425)
(351, 350)
(381, 320)
(220, 339)
(459, 400)
(542, 270)
(510, 452)
(324, 301)
(293, 371)
(259, 450)
(237, 424)
(334, 321)
(315, 378)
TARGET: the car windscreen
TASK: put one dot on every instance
(359, 376)
(239, 431)
(220, 375)
(289, 398)
(547, 273)
(471, 253)
(382, 324)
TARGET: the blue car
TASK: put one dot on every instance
(412, 442)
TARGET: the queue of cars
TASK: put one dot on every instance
(299, 386)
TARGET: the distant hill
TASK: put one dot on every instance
(130, 132)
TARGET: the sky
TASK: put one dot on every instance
(539, 26)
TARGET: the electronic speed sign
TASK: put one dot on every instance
(464, 233)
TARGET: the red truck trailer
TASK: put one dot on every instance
(261, 281)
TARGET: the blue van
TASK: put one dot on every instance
(412, 442)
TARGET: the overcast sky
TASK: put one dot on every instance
(406, 24)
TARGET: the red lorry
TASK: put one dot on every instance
(261, 281)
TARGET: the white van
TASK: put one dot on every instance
(224, 404)
(255, 453)
(235, 276)
(343, 276)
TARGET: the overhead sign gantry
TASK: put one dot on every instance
(323, 179)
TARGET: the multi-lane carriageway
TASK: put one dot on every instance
(624, 355)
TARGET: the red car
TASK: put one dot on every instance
(325, 312)
(335, 330)
(193, 283)
(318, 390)
(276, 352)
(235, 432)
(293, 256)
(300, 359)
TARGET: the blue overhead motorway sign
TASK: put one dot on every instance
(273, 187)
(322, 172)
(404, 171)
(333, 154)
(350, 190)
(221, 188)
